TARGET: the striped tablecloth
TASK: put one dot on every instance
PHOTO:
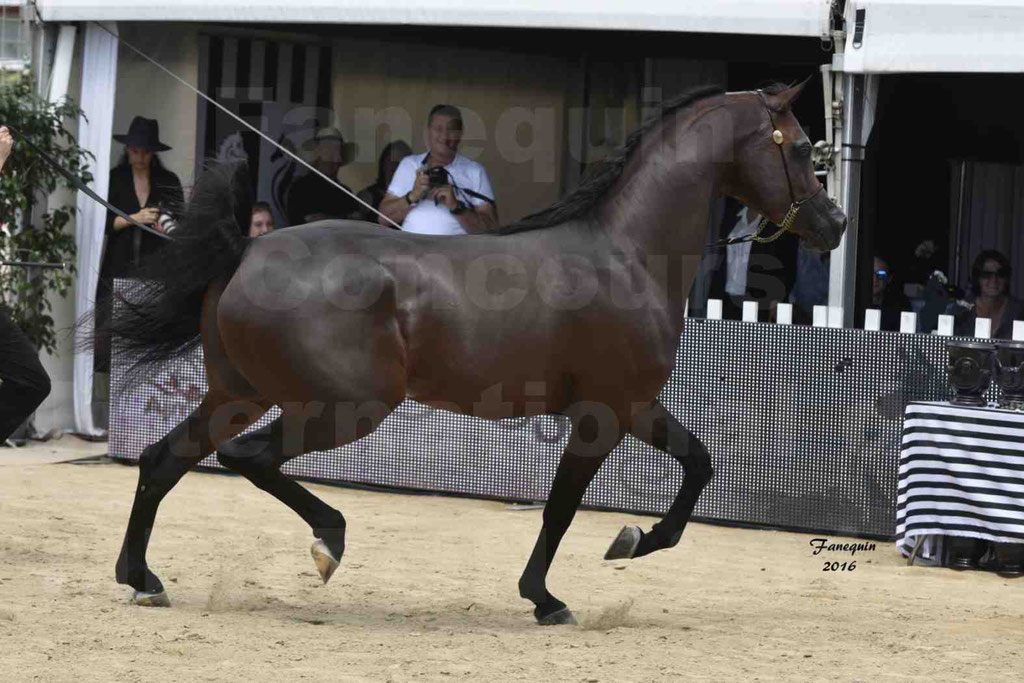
(961, 474)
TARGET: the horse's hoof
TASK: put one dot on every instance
(154, 599)
(326, 562)
(562, 617)
(625, 544)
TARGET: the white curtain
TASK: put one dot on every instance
(99, 80)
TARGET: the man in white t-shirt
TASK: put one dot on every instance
(441, 192)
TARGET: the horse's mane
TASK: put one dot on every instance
(580, 202)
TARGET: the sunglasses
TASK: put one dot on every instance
(1002, 273)
(882, 274)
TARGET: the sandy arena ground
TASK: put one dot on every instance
(427, 592)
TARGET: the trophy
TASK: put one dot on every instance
(970, 371)
(1010, 374)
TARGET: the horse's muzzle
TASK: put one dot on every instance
(820, 222)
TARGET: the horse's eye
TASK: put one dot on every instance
(802, 150)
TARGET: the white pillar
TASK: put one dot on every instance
(859, 98)
(60, 76)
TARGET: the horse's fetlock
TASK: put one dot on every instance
(531, 590)
(330, 535)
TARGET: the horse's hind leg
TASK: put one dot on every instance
(259, 455)
(660, 429)
(161, 466)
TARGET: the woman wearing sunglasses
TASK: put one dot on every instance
(990, 287)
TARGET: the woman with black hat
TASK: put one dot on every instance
(142, 188)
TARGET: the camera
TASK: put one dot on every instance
(437, 175)
(166, 221)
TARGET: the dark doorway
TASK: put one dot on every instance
(927, 127)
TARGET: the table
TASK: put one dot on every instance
(961, 473)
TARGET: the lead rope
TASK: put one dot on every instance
(243, 122)
(79, 185)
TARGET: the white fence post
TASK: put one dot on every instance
(983, 328)
(784, 314)
(872, 320)
(714, 309)
(750, 311)
(835, 316)
(908, 322)
(820, 316)
(946, 325)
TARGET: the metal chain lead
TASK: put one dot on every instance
(784, 226)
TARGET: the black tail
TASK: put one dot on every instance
(157, 318)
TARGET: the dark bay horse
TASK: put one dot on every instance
(576, 311)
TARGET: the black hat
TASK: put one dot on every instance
(145, 134)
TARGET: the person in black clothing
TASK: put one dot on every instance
(23, 381)
(142, 188)
(990, 296)
(311, 198)
(767, 273)
(887, 297)
(390, 157)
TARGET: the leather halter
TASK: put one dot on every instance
(794, 206)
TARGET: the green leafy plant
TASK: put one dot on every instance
(26, 233)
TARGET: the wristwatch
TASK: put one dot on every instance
(460, 206)
(411, 202)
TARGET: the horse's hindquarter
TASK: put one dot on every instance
(310, 316)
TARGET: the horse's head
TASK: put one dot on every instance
(773, 172)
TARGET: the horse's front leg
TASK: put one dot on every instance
(660, 429)
(580, 462)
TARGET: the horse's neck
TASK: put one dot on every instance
(659, 211)
(662, 203)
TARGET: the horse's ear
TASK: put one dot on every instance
(787, 97)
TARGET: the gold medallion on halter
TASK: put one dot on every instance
(777, 136)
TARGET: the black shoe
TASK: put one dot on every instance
(963, 552)
(1009, 559)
